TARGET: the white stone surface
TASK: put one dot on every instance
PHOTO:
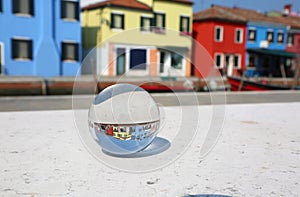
(258, 154)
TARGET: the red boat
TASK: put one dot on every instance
(245, 85)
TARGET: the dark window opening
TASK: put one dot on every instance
(138, 58)
(146, 23)
(184, 24)
(270, 36)
(21, 49)
(69, 52)
(290, 40)
(280, 37)
(252, 35)
(69, 10)
(159, 21)
(25, 7)
(117, 21)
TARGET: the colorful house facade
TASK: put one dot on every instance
(265, 38)
(223, 35)
(266, 44)
(145, 37)
(40, 38)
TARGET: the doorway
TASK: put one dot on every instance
(121, 61)
(229, 64)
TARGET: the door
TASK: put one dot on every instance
(138, 59)
(164, 63)
(229, 64)
(121, 61)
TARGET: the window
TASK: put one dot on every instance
(117, 21)
(69, 10)
(159, 20)
(252, 61)
(162, 62)
(176, 61)
(218, 60)
(237, 61)
(146, 23)
(184, 24)
(23, 7)
(121, 60)
(69, 51)
(22, 49)
(270, 36)
(239, 36)
(290, 40)
(280, 37)
(252, 35)
(138, 58)
(219, 34)
(0, 6)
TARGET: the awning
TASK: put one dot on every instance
(175, 49)
(273, 52)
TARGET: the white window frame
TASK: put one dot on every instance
(168, 69)
(241, 36)
(221, 62)
(239, 61)
(2, 58)
(221, 34)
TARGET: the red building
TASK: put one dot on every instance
(223, 34)
(293, 40)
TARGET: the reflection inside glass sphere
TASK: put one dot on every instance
(124, 119)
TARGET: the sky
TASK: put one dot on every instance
(259, 5)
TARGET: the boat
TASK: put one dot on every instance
(241, 84)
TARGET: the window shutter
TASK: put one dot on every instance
(122, 21)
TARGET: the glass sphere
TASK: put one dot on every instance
(124, 119)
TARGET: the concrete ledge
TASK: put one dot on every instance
(257, 154)
(166, 99)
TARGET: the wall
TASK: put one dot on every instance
(295, 48)
(203, 33)
(47, 31)
(261, 30)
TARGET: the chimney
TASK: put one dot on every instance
(287, 9)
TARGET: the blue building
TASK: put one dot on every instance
(266, 50)
(40, 37)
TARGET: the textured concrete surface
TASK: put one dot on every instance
(258, 154)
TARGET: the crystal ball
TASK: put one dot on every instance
(124, 119)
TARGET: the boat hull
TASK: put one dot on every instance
(252, 86)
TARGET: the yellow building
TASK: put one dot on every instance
(139, 37)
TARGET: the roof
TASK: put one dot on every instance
(133, 4)
(234, 14)
(292, 21)
(179, 1)
(218, 13)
